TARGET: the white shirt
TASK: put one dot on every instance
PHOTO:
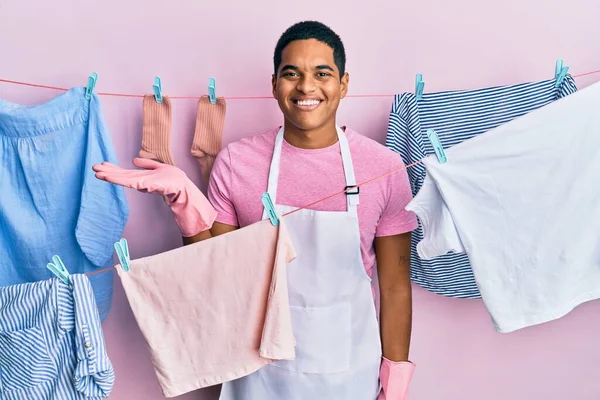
(523, 201)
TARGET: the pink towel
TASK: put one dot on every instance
(215, 310)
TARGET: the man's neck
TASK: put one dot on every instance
(314, 139)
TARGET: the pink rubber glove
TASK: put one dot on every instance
(192, 211)
(394, 377)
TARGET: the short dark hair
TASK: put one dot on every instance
(312, 30)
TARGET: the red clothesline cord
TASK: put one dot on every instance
(226, 97)
(315, 202)
(354, 187)
(260, 97)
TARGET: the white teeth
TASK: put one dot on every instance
(308, 102)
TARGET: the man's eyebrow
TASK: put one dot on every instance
(294, 68)
(327, 67)
(289, 67)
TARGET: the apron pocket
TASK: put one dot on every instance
(323, 336)
(24, 360)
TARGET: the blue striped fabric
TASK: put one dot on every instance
(51, 342)
(457, 116)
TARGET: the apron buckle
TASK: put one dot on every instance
(352, 187)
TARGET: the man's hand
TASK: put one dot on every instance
(192, 211)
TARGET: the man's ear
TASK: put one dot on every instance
(344, 85)
(274, 84)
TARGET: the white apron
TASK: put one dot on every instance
(338, 349)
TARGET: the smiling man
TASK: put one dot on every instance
(338, 241)
(342, 351)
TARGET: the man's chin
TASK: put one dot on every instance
(307, 125)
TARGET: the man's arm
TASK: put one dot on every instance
(219, 195)
(216, 230)
(393, 267)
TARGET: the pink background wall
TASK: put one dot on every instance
(455, 44)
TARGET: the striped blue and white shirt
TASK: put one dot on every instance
(51, 342)
(457, 116)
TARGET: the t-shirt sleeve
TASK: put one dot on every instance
(440, 235)
(219, 189)
(395, 219)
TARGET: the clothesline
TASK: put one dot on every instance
(226, 97)
(404, 167)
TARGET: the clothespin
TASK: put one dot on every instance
(157, 88)
(58, 268)
(270, 208)
(91, 85)
(419, 86)
(212, 92)
(437, 146)
(122, 250)
(560, 72)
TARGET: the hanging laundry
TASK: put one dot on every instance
(208, 135)
(522, 200)
(215, 310)
(51, 342)
(50, 199)
(457, 116)
(156, 130)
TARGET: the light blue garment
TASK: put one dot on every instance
(51, 342)
(50, 202)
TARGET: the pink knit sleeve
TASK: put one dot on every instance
(395, 219)
(220, 189)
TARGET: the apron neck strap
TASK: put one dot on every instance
(352, 199)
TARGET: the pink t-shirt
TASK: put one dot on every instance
(241, 171)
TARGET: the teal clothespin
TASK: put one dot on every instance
(91, 85)
(212, 92)
(437, 146)
(560, 72)
(58, 268)
(419, 86)
(157, 88)
(122, 250)
(270, 208)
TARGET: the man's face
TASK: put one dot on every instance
(307, 86)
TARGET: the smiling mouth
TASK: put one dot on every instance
(307, 105)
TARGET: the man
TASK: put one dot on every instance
(341, 351)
